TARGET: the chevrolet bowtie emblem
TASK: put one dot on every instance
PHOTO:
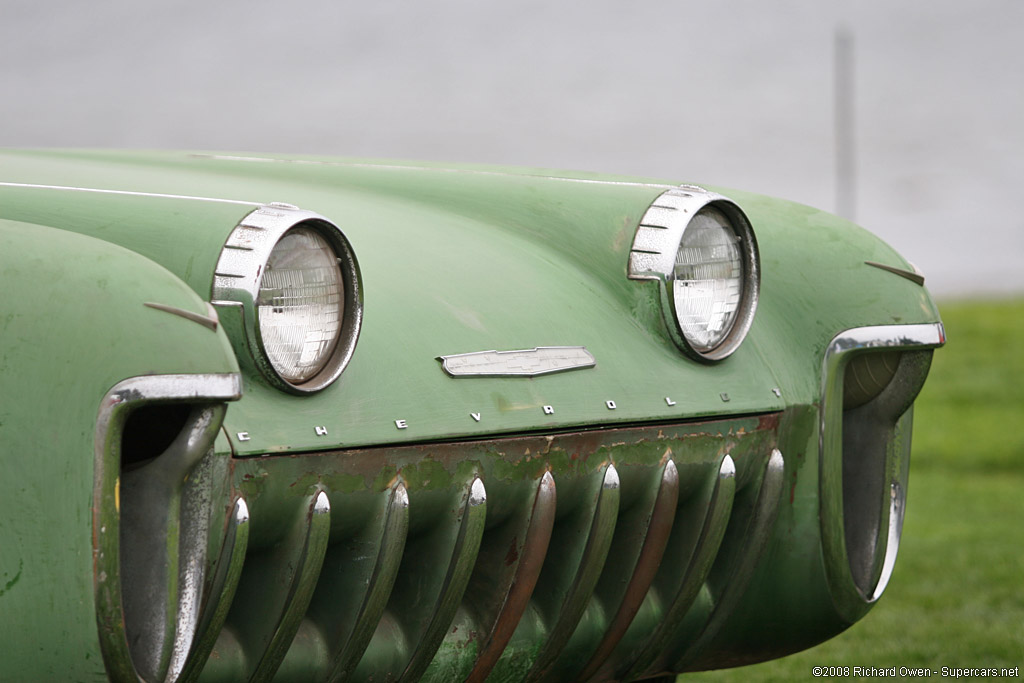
(542, 360)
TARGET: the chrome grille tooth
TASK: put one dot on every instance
(463, 557)
(279, 582)
(348, 638)
(445, 528)
(737, 562)
(697, 536)
(639, 545)
(502, 601)
(582, 577)
(219, 592)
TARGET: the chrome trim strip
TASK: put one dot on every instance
(129, 193)
(212, 387)
(541, 360)
(237, 279)
(849, 600)
(209, 321)
(399, 167)
(913, 276)
(897, 510)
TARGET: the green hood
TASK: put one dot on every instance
(456, 259)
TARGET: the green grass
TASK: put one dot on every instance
(957, 596)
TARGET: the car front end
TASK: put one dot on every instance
(327, 419)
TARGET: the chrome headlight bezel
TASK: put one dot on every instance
(239, 275)
(652, 257)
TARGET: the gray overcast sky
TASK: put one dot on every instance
(728, 93)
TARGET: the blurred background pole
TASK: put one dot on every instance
(846, 171)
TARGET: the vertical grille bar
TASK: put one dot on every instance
(745, 552)
(584, 579)
(518, 580)
(220, 591)
(699, 529)
(459, 570)
(445, 528)
(658, 520)
(347, 637)
(279, 582)
(301, 590)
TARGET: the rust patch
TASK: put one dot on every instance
(515, 458)
(513, 553)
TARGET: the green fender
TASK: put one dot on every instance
(72, 325)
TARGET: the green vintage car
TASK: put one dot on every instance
(311, 419)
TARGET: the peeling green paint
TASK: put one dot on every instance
(17, 577)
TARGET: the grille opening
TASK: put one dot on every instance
(150, 430)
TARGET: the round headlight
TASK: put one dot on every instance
(701, 247)
(295, 279)
(707, 280)
(300, 305)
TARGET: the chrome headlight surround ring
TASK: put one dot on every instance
(653, 255)
(239, 275)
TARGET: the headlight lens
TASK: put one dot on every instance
(700, 246)
(707, 280)
(300, 305)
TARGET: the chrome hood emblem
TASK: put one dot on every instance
(542, 360)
